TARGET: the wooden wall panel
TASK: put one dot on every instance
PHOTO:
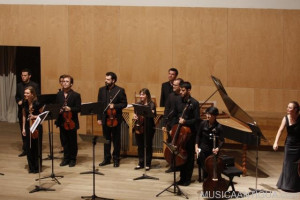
(291, 39)
(255, 48)
(145, 45)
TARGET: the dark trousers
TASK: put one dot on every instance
(141, 145)
(34, 150)
(20, 117)
(186, 170)
(69, 138)
(112, 134)
(201, 162)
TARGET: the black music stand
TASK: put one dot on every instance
(176, 189)
(91, 109)
(53, 114)
(144, 111)
(49, 99)
(94, 139)
(37, 122)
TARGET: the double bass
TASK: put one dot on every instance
(180, 135)
(214, 166)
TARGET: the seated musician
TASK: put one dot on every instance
(145, 99)
(204, 140)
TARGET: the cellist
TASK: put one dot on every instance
(204, 141)
(68, 123)
(190, 119)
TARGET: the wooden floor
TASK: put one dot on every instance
(117, 183)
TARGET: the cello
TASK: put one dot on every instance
(180, 135)
(214, 166)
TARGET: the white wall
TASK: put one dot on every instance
(265, 4)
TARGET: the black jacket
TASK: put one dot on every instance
(166, 89)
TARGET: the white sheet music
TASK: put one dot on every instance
(40, 118)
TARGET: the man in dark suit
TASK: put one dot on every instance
(68, 123)
(114, 99)
(25, 75)
(167, 87)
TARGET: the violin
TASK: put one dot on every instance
(138, 127)
(35, 134)
(111, 120)
(214, 166)
(180, 135)
(111, 113)
(69, 124)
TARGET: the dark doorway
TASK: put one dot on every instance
(29, 57)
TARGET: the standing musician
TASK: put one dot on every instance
(26, 75)
(70, 102)
(145, 99)
(61, 82)
(114, 98)
(167, 87)
(31, 109)
(204, 139)
(169, 111)
(190, 119)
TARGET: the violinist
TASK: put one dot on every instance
(114, 99)
(31, 108)
(204, 139)
(68, 123)
(145, 99)
(189, 107)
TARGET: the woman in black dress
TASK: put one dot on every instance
(289, 179)
(31, 110)
(145, 99)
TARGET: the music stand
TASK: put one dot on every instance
(53, 114)
(91, 109)
(94, 139)
(144, 111)
(176, 189)
(49, 99)
(39, 120)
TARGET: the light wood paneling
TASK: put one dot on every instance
(255, 48)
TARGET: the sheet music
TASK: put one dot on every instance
(40, 118)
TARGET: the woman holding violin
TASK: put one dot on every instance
(70, 102)
(31, 109)
(139, 130)
(187, 116)
(204, 139)
(114, 100)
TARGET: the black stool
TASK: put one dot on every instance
(231, 172)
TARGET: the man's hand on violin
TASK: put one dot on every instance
(99, 122)
(215, 151)
(181, 120)
(67, 108)
(111, 106)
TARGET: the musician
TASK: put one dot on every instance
(30, 111)
(68, 123)
(289, 179)
(204, 139)
(169, 111)
(167, 87)
(26, 76)
(190, 119)
(145, 99)
(113, 97)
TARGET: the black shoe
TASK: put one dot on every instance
(147, 168)
(186, 183)
(104, 162)
(64, 163)
(22, 154)
(180, 182)
(169, 170)
(72, 163)
(139, 167)
(116, 163)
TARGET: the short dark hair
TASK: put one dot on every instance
(187, 85)
(180, 80)
(212, 110)
(62, 76)
(70, 77)
(26, 70)
(113, 76)
(174, 70)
